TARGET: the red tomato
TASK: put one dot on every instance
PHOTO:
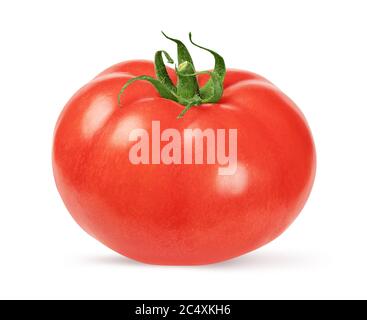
(182, 214)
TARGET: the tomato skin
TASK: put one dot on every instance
(182, 214)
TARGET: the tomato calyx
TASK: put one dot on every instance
(187, 91)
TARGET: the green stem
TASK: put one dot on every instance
(187, 91)
(215, 91)
(187, 86)
(190, 86)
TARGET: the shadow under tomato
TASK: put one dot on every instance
(256, 260)
(109, 260)
(267, 261)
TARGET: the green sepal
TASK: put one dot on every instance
(189, 87)
(182, 53)
(219, 73)
(163, 91)
(187, 91)
(161, 70)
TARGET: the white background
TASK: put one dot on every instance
(315, 51)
